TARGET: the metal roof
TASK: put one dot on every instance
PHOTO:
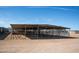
(15, 26)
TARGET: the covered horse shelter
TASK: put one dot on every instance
(40, 30)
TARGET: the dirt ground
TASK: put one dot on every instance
(40, 46)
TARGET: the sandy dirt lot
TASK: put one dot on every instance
(40, 46)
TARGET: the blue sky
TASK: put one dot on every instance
(67, 16)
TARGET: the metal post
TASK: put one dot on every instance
(25, 30)
(38, 32)
(12, 32)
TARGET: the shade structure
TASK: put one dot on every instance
(40, 30)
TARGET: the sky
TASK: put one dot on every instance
(67, 16)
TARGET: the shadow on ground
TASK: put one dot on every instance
(35, 36)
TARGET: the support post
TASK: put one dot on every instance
(12, 32)
(25, 31)
(38, 32)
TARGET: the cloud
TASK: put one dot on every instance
(37, 7)
(53, 7)
(2, 22)
(5, 22)
(62, 8)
